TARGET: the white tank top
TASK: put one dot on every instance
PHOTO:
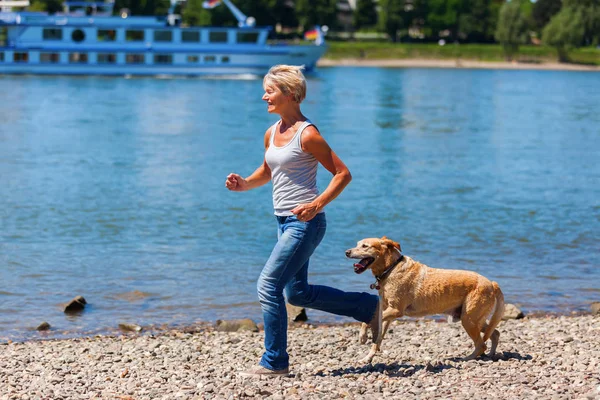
(293, 173)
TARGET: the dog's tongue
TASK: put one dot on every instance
(362, 263)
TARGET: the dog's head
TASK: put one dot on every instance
(374, 253)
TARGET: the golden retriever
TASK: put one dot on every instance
(407, 287)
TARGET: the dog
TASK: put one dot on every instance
(408, 287)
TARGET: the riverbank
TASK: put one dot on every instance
(545, 357)
(456, 63)
(469, 55)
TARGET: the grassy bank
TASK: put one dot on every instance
(475, 52)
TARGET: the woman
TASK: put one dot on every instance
(293, 149)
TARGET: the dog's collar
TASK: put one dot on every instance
(385, 274)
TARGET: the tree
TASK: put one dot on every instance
(475, 22)
(512, 28)
(365, 14)
(51, 6)
(564, 31)
(193, 14)
(143, 7)
(543, 11)
(316, 12)
(390, 17)
(589, 11)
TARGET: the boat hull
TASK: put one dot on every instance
(257, 63)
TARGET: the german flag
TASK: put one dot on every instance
(313, 34)
(211, 3)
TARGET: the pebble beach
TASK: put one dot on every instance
(550, 357)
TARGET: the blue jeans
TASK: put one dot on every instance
(287, 269)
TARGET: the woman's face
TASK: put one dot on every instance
(275, 98)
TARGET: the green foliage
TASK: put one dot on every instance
(390, 17)
(512, 27)
(143, 7)
(193, 14)
(316, 12)
(565, 31)
(543, 11)
(590, 17)
(365, 14)
(51, 6)
(443, 15)
(475, 22)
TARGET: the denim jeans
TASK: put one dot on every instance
(287, 270)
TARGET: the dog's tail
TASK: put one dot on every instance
(498, 312)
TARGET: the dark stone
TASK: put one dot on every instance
(130, 327)
(44, 326)
(512, 312)
(75, 305)
(296, 314)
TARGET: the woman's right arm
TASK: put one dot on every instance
(259, 177)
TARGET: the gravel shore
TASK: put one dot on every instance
(547, 357)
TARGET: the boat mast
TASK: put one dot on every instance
(243, 21)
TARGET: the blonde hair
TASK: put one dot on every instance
(289, 79)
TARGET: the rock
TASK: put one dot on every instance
(236, 325)
(512, 312)
(295, 313)
(130, 327)
(44, 326)
(76, 305)
(595, 308)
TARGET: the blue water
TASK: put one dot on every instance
(111, 186)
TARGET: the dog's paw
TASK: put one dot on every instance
(367, 359)
(363, 337)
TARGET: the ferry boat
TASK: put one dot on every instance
(87, 39)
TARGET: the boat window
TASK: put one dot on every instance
(78, 35)
(78, 58)
(225, 59)
(247, 37)
(163, 59)
(137, 58)
(106, 35)
(190, 36)
(217, 37)
(298, 54)
(49, 58)
(1, 56)
(107, 58)
(21, 57)
(52, 34)
(210, 59)
(193, 59)
(134, 36)
(3, 35)
(163, 36)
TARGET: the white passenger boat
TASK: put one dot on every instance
(87, 39)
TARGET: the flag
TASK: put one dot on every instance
(211, 3)
(313, 34)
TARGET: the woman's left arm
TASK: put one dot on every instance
(315, 144)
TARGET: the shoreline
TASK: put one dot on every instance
(537, 357)
(453, 63)
(55, 333)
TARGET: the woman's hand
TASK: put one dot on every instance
(236, 183)
(306, 212)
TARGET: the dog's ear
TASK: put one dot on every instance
(389, 242)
